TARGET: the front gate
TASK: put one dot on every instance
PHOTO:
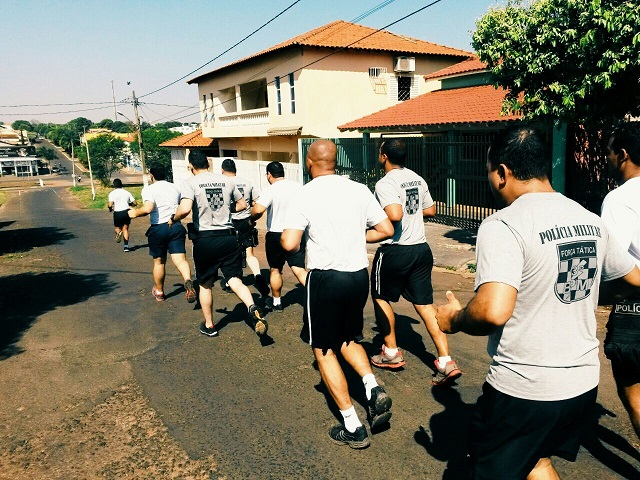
(453, 165)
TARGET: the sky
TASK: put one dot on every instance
(83, 53)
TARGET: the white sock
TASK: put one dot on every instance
(351, 420)
(370, 383)
(276, 300)
(391, 352)
(442, 361)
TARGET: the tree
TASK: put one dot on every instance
(121, 127)
(46, 153)
(151, 138)
(106, 156)
(573, 60)
(19, 125)
(105, 123)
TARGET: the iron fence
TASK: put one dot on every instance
(453, 165)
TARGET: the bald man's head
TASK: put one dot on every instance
(321, 157)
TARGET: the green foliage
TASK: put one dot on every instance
(121, 127)
(46, 153)
(106, 153)
(572, 60)
(105, 123)
(151, 138)
(22, 125)
(168, 125)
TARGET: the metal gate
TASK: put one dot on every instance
(453, 165)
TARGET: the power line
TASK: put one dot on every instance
(54, 104)
(227, 50)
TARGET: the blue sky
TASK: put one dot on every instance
(70, 51)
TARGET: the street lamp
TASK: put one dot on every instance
(93, 188)
(145, 181)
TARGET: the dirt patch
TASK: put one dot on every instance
(119, 438)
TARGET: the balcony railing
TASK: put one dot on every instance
(259, 116)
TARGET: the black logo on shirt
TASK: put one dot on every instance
(215, 198)
(412, 202)
(577, 269)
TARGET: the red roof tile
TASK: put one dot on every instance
(193, 139)
(466, 66)
(461, 105)
(341, 34)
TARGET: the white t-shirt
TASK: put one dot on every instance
(408, 189)
(621, 215)
(212, 195)
(121, 199)
(335, 212)
(554, 253)
(165, 196)
(278, 198)
(250, 194)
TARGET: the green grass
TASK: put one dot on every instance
(83, 193)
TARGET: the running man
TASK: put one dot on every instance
(212, 198)
(160, 200)
(119, 202)
(276, 200)
(338, 283)
(402, 265)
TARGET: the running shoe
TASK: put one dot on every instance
(158, 294)
(225, 286)
(358, 439)
(119, 236)
(209, 332)
(126, 248)
(447, 374)
(261, 285)
(258, 322)
(191, 292)
(378, 408)
(382, 360)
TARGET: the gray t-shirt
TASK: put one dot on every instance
(554, 253)
(250, 194)
(212, 195)
(408, 189)
(165, 196)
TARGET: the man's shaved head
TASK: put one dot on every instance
(322, 157)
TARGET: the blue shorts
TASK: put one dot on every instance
(162, 239)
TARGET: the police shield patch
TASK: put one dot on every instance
(577, 269)
(413, 201)
(214, 197)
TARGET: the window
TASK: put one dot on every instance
(211, 111)
(404, 88)
(278, 98)
(293, 93)
(204, 107)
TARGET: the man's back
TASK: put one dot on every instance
(249, 192)
(212, 195)
(166, 197)
(278, 197)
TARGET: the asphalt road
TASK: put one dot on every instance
(80, 324)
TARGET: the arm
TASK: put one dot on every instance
(257, 211)
(291, 239)
(394, 212)
(146, 208)
(380, 231)
(184, 208)
(240, 205)
(110, 206)
(429, 212)
(488, 310)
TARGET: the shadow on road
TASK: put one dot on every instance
(6, 224)
(24, 297)
(24, 239)
(463, 236)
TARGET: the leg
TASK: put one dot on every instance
(301, 275)
(252, 262)
(125, 233)
(428, 315)
(355, 356)
(543, 471)
(241, 291)
(629, 393)
(386, 319)
(159, 272)
(181, 263)
(275, 280)
(206, 302)
(333, 377)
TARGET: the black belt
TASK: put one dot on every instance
(216, 233)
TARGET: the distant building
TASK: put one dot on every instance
(185, 128)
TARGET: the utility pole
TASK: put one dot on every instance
(73, 165)
(145, 181)
(115, 112)
(93, 188)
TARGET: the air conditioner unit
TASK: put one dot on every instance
(404, 64)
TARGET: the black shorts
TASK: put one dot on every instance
(509, 435)
(121, 218)
(246, 233)
(277, 256)
(333, 308)
(403, 270)
(622, 343)
(213, 252)
(161, 239)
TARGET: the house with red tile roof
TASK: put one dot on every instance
(259, 106)
(180, 148)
